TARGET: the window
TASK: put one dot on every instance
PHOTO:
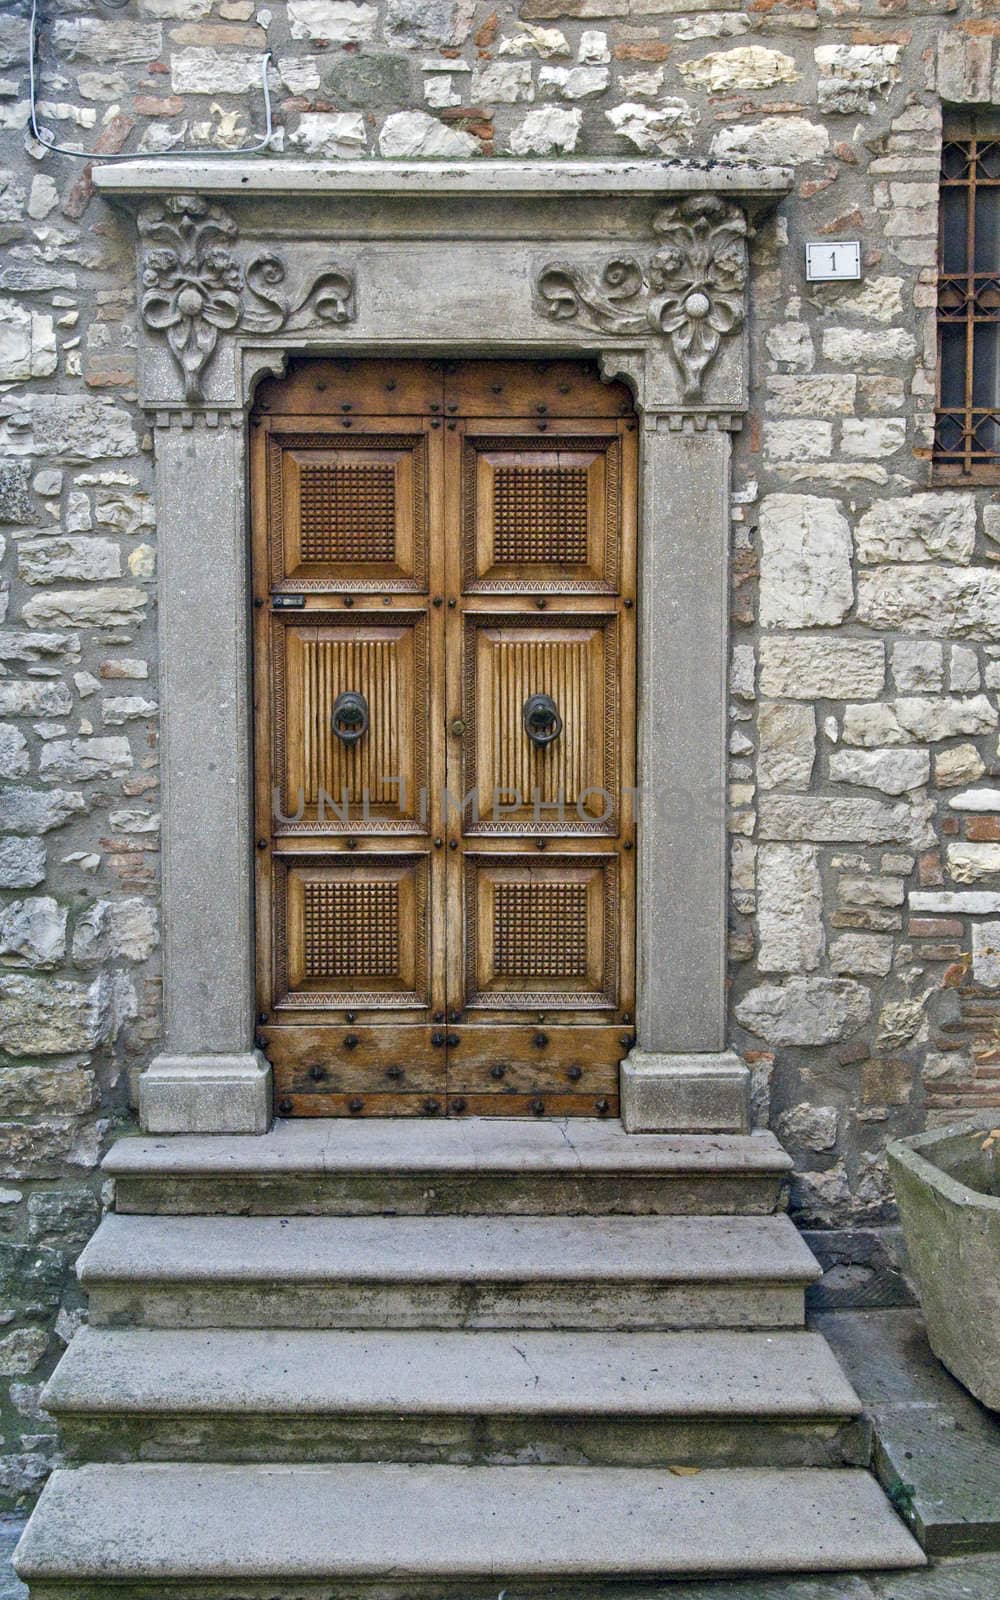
(967, 426)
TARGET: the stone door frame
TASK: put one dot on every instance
(639, 265)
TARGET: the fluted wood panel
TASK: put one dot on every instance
(558, 667)
(573, 782)
(331, 667)
(374, 784)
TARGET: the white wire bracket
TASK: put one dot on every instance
(46, 138)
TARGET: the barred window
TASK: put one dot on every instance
(967, 427)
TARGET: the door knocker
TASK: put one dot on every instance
(542, 722)
(350, 716)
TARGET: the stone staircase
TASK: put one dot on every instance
(418, 1359)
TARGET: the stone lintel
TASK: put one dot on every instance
(206, 1094)
(707, 1093)
(405, 180)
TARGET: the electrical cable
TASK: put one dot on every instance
(47, 140)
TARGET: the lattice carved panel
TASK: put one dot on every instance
(540, 930)
(541, 934)
(351, 933)
(348, 512)
(572, 784)
(374, 785)
(541, 515)
(350, 930)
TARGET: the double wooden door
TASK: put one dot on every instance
(444, 591)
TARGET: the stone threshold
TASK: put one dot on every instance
(470, 1144)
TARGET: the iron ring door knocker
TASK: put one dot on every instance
(350, 716)
(542, 722)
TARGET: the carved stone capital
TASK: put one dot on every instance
(194, 286)
(691, 288)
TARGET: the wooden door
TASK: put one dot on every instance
(444, 589)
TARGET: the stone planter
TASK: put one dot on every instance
(948, 1188)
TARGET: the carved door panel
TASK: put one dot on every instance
(444, 677)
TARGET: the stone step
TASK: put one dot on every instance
(399, 1530)
(710, 1398)
(492, 1166)
(475, 1272)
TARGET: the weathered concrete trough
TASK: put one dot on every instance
(947, 1183)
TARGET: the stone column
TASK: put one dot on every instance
(208, 1078)
(681, 1078)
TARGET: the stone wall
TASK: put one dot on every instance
(866, 603)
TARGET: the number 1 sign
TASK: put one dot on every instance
(839, 259)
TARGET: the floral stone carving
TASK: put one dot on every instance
(691, 289)
(192, 286)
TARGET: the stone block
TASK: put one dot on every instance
(101, 608)
(429, 22)
(986, 954)
(569, 83)
(805, 1011)
(339, 21)
(86, 758)
(787, 745)
(549, 130)
(969, 863)
(33, 932)
(918, 527)
(206, 1094)
(663, 129)
(892, 771)
(745, 67)
(53, 1016)
(958, 764)
(70, 427)
(845, 820)
(663, 1093)
(408, 134)
(22, 863)
(954, 602)
(331, 136)
(918, 720)
(789, 908)
(786, 141)
(826, 394)
(34, 698)
(96, 39)
(14, 759)
(918, 665)
(33, 811)
(805, 574)
(15, 497)
(818, 668)
(861, 955)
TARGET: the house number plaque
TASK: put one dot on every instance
(825, 263)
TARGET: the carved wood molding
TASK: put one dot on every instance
(193, 286)
(691, 289)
